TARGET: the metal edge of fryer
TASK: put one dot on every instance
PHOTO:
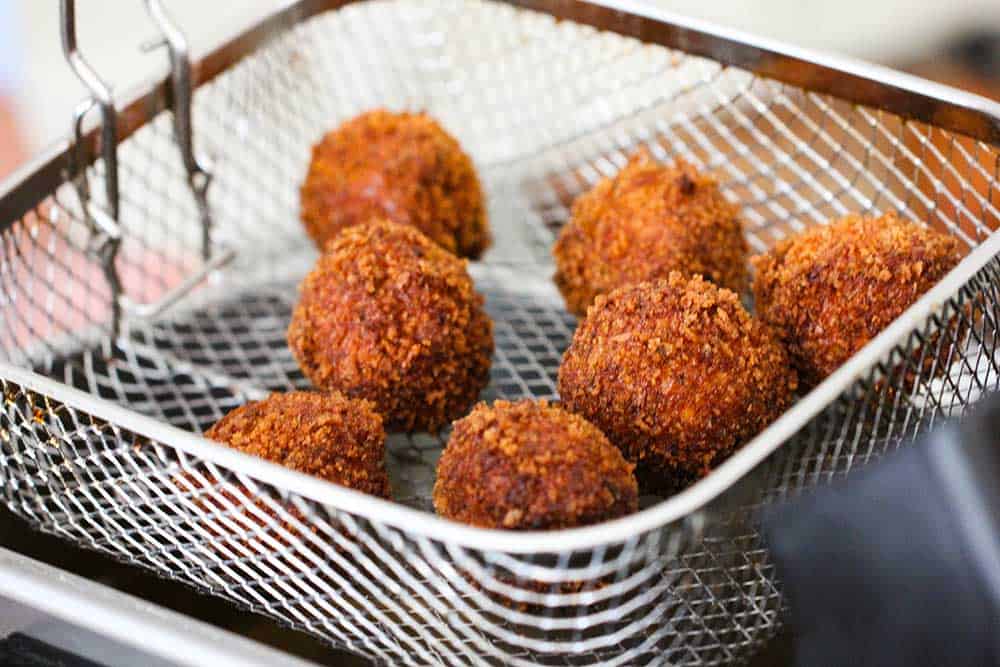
(957, 109)
(127, 619)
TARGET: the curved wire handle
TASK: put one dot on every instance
(199, 174)
(103, 225)
(106, 233)
(101, 94)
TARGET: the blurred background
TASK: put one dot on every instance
(957, 42)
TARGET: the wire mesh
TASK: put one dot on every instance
(546, 109)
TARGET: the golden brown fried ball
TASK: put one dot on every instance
(677, 374)
(398, 166)
(642, 224)
(389, 316)
(326, 435)
(830, 290)
(531, 466)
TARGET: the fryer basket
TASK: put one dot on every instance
(133, 317)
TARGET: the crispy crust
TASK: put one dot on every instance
(647, 221)
(388, 316)
(327, 435)
(530, 465)
(830, 290)
(677, 374)
(398, 166)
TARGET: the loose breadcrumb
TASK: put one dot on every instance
(830, 290)
(677, 374)
(402, 167)
(389, 316)
(649, 220)
(531, 465)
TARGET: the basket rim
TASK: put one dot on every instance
(851, 79)
(764, 57)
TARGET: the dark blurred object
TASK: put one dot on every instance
(17, 649)
(900, 564)
(979, 51)
(777, 652)
(971, 62)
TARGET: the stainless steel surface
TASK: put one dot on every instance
(116, 616)
(147, 586)
(99, 432)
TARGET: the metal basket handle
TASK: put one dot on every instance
(106, 234)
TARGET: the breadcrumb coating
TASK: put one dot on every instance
(831, 289)
(326, 435)
(389, 316)
(402, 167)
(649, 220)
(677, 374)
(531, 466)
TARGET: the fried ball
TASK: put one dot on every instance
(326, 435)
(531, 466)
(677, 374)
(830, 290)
(398, 166)
(389, 316)
(642, 224)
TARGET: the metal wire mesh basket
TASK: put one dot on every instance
(148, 269)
